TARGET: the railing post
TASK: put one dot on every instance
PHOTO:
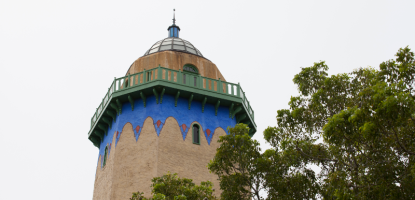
(238, 90)
(115, 85)
(200, 81)
(144, 76)
(220, 86)
(159, 74)
(179, 77)
(129, 81)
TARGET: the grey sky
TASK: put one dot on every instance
(58, 58)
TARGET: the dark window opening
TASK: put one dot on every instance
(105, 156)
(190, 68)
(196, 135)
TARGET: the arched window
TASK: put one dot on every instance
(105, 156)
(190, 68)
(196, 134)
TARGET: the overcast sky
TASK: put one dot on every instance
(58, 58)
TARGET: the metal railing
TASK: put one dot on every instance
(174, 76)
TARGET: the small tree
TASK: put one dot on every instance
(171, 187)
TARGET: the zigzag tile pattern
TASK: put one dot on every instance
(159, 113)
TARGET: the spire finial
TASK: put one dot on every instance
(174, 16)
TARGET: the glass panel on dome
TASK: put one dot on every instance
(179, 47)
(178, 42)
(166, 43)
(165, 47)
(168, 39)
(156, 45)
(189, 45)
(153, 50)
(191, 50)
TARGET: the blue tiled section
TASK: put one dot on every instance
(161, 112)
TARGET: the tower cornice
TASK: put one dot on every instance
(160, 81)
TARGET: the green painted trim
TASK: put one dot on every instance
(119, 106)
(143, 96)
(176, 87)
(156, 94)
(203, 104)
(190, 100)
(131, 100)
(101, 136)
(113, 105)
(95, 141)
(231, 109)
(240, 118)
(217, 107)
(176, 98)
(251, 132)
(161, 95)
(237, 110)
(108, 121)
(247, 122)
(193, 139)
(102, 127)
(112, 114)
(159, 72)
(219, 86)
(200, 92)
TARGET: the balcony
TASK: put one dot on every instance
(159, 81)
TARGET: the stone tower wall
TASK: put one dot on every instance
(152, 140)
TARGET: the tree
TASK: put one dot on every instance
(171, 187)
(359, 128)
(244, 172)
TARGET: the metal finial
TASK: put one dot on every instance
(174, 16)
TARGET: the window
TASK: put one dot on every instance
(105, 156)
(196, 134)
(190, 68)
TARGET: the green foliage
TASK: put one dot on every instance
(171, 187)
(244, 172)
(138, 196)
(359, 128)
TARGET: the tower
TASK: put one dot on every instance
(165, 115)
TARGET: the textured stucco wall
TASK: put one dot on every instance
(151, 141)
(176, 60)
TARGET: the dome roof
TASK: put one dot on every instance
(173, 44)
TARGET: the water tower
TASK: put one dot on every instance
(165, 115)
